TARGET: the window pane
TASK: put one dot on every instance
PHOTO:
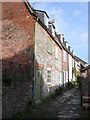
(49, 46)
(49, 72)
(48, 76)
(48, 80)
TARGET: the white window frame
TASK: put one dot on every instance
(50, 46)
(49, 82)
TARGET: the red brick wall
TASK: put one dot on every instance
(17, 33)
(17, 55)
(18, 13)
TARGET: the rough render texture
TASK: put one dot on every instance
(47, 60)
(17, 55)
(65, 63)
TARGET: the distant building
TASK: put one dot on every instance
(79, 63)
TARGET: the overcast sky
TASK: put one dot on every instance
(71, 18)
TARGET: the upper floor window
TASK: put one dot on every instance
(50, 46)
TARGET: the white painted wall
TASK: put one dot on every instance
(46, 20)
(61, 37)
(60, 78)
(53, 31)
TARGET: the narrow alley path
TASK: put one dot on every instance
(65, 106)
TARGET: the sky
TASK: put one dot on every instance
(71, 19)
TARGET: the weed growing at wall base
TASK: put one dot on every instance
(78, 79)
(7, 79)
(30, 102)
(54, 95)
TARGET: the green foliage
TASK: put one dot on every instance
(19, 115)
(74, 71)
(74, 82)
(78, 76)
(30, 102)
(77, 82)
(71, 84)
(46, 100)
(7, 79)
(11, 49)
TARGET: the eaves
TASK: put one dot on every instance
(77, 58)
(86, 68)
(48, 31)
(67, 50)
(37, 18)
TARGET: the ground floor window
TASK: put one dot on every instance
(48, 75)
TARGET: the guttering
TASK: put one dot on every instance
(38, 20)
(47, 30)
(79, 59)
(32, 11)
(26, 1)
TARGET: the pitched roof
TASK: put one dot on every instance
(79, 59)
(33, 12)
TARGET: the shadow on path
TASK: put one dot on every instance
(67, 105)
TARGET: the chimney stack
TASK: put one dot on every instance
(62, 38)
